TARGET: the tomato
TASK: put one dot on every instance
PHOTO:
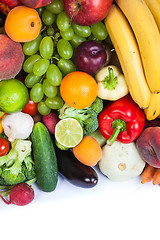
(4, 147)
(31, 108)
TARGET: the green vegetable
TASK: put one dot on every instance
(17, 166)
(87, 117)
(44, 157)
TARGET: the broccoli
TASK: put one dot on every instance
(87, 117)
(97, 105)
(17, 166)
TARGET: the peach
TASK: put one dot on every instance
(11, 57)
(148, 146)
(36, 3)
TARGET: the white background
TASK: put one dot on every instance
(111, 210)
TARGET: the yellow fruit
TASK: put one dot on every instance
(128, 54)
(148, 38)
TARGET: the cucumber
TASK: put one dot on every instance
(45, 158)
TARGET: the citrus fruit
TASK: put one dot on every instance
(22, 24)
(78, 89)
(13, 95)
(68, 132)
(88, 151)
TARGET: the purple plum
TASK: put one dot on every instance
(90, 56)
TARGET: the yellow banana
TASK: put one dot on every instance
(128, 54)
(154, 6)
(147, 36)
(153, 110)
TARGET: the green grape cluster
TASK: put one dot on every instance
(49, 57)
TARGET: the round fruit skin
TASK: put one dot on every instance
(87, 12)
(13, 96)
(11, 57)
(36, 3)
(78, 89)
(90, 56)
(22, 24)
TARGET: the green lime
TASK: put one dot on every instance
(13, 95)
(68, 132)
(60, 146)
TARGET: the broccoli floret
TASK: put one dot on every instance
(11, 178)
(97, 105)
(87, 117)
(28, 168)
(91, 124)
(80, 115)
(16, 165)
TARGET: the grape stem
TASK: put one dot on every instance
(54, 58)
(43, 29)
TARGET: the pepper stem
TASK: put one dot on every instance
(110, 82)
(119, 126)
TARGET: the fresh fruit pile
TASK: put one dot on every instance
(79, 90)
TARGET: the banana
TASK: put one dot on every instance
(148, 38)
(128, 54)
(153, 110)
(154, 6)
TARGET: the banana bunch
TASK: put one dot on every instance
(134, 29)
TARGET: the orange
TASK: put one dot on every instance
(78, 89)
(23, 24)
(88, 151)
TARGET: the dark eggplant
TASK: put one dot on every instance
(74, 171)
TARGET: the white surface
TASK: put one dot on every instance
(111, 210)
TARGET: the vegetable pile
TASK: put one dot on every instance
(85, 107)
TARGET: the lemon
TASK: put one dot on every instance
(68, 132)
(13, 95)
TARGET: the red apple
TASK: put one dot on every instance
(11, 3)
(87, 12)
(35, 3)
(7, 5)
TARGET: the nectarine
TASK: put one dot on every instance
(148, 145)
(11, 57)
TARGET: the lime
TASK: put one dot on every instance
(13, 95)
(60, 146)
(68, 132)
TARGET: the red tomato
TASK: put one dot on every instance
(31, 108)
(4, 147)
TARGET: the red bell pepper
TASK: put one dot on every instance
(122, 120)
